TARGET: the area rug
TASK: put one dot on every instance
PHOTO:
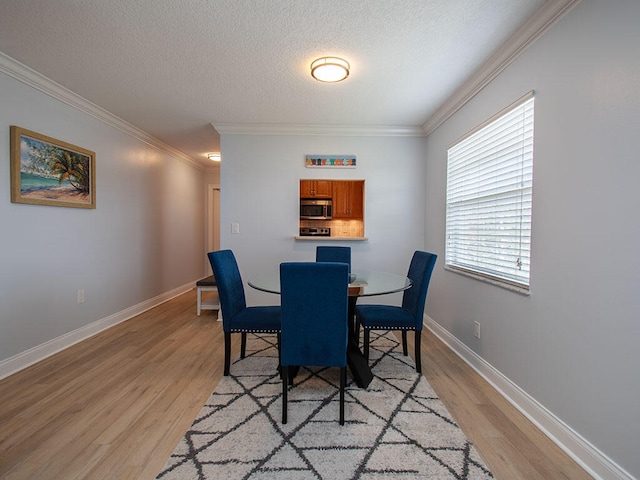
(397, 428)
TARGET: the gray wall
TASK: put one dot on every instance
(260, 177)
(145, 237)
(573, 343)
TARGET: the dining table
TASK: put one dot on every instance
(362, 283)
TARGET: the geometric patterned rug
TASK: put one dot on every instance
(396, 428)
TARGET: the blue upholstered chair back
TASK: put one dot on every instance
(314, 299)
(334, 254)
(230, 287)
(420, 271)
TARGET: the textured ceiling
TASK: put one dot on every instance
(172, 68)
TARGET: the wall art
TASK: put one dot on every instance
(46, 171)
(340, 161)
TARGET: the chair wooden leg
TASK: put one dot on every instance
(366, 344)
(417, 352)
(285, 387)
(227, 353)
(343, 383)
(404, 343)
(243, 345)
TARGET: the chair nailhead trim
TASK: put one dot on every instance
(385, 327)
(235, 330)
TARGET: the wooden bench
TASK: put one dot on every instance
(212, 302)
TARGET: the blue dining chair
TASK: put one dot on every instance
(314, 320)
(236, 316)
(409, 316)
(334, 254)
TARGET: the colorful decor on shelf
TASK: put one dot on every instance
(320, 161)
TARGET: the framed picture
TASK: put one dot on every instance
(46, 171)
(330, 161)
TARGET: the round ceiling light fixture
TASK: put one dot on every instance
(330, 69)
(215, 157)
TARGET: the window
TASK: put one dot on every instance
(489, 189)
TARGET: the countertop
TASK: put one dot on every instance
(331, 239)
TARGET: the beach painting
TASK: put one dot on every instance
(46, 171)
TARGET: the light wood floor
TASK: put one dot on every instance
(115, 406)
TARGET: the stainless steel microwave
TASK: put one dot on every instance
(316, 208)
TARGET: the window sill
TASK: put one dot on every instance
(521, 289)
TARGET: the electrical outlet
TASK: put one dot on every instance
(80, 296)
(476, 329)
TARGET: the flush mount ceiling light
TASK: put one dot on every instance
(330, 69)
(214, 157)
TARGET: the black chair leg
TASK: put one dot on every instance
(404, 342)
(285, 387)
(357, 332)
(227, 353)
(418, 356)
(343, 383)
(278, 338)
(243, 345)
(293, 371)
(366, 344)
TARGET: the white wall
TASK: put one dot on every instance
(212, 213)
(145, 237)
(573, 344)
(260, 186)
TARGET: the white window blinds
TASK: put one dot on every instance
(489, 190)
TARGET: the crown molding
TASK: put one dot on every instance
(334, 130)
(30, 77)
(547, 16)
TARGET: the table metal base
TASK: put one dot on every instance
(358, 365)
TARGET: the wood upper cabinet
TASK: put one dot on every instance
(348, 199)
(315, 188)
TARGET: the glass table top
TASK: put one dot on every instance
(362, 283)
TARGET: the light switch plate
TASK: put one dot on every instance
(235, 228)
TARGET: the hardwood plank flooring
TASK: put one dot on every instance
(114, 406)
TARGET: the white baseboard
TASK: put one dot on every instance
(36, 354)
(595, 462)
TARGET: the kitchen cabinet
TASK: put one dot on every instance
(315, 188)
(348, 199)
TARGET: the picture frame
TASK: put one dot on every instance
(47, 171)
(330, 161)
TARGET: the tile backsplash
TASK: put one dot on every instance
(339, 228)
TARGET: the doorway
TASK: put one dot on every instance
(213, 221)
